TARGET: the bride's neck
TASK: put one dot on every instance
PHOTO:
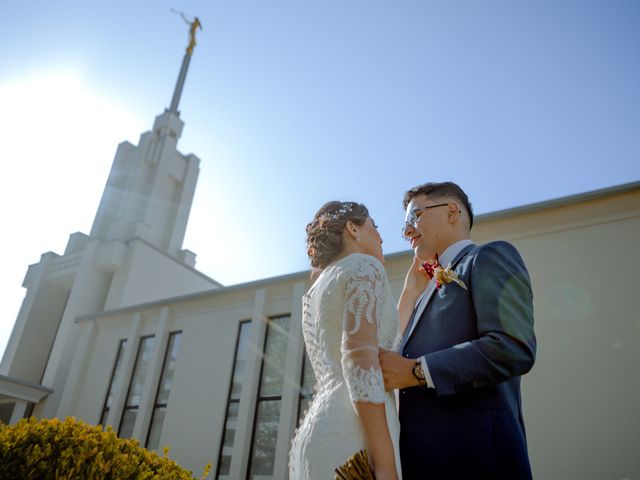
(349, 248)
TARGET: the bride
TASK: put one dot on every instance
(347, 314)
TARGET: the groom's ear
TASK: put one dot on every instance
(454, 213)
(457, 215)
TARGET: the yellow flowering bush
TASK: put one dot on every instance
(52, 449)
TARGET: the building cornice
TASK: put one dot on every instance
(541, 206)
(305, 274)
(22, 390)
(193, 296)
(559, 202)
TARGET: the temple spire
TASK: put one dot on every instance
(193, 27)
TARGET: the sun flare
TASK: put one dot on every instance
(59, 137)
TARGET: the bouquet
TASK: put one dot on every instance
(355, 468)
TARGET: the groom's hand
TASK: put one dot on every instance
(397, 370)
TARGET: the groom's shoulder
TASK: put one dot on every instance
(497, 246)
(499, 251)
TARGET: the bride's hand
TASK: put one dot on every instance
(416, 280)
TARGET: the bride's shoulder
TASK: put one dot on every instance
(361, 264)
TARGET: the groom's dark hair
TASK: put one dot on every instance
(441, 190)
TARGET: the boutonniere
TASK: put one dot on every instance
(442, 275)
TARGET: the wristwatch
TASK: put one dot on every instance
(419, 373)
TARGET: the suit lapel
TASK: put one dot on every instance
(422, 304)
(461, 255)
(417, 312)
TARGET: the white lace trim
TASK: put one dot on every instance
(364, 385)
(364, 293)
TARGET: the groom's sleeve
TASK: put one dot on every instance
(427, 373)
(505, 348)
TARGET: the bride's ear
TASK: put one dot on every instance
(352, 230)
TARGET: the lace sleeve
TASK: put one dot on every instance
(361, 318)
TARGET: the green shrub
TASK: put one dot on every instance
(51, 449)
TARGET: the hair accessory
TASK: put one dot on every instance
(341, 212)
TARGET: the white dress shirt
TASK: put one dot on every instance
(445, 259)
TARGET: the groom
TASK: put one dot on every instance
(466, 344)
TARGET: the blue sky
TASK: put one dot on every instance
(289, 104)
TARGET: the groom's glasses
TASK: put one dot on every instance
(411, 220)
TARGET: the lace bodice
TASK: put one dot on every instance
(347, 314)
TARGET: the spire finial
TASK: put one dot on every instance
(194, 25)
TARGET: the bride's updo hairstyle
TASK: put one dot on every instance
(324, 233)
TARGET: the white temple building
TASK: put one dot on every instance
(122, 330)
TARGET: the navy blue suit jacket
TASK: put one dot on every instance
(477, 343)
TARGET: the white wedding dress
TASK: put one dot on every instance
(347, 313)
